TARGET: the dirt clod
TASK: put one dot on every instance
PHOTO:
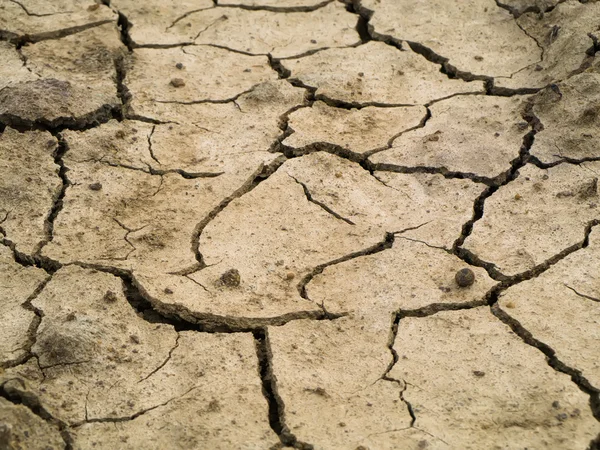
(465, 277)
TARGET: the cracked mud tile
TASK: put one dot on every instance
(357, 130)
(29, 184)
(329, 376)
(13, 69)
(222, 372)
(492, 45)
(408, 276)
(22, 429)
(17, 284)
(388, 76)
(472, 383)
(208, 74)
(536, 216)
(148, 23)
(76, 84)
(469, 134)
(32, 21)
(270, 238)
(280, 34)
(108, 374)
(561, 307)
(570, 115)
(434, 206)
(563, 36)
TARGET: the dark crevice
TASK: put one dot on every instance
(362, 26)
(322, 205)
(269, 388)
(535, 8)
(595, 443)
(588, 297)
(385, 167)
(57, 205)
(122, 91)
(277, 9)
(49, 265)
(150, 150)
(576, 376)
(161, 172)
(20, 40)
(124, 27)
(278, 67)
(15, 391)
(167, 359)
(501, 180)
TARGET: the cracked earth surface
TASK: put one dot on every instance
(237, 224)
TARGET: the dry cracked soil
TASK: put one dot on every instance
(310, 224)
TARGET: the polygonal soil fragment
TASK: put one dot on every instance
(472, 383)
(426, 207)
(561, 307)
(329, 375)
(206, 74)
(18, 285)
(570, 115)
(220, 379)
(76, 84)
(281, 34)
(13, 69)
(22, 429)
(358, 130)
(154, 18)
(376, 73)
(491, 45)
(29, 184)
(536, 216)
(34, 21)
(410, 275)
(563, 36)
(473, 134)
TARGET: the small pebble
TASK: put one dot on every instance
(95, 186)
(464, 277)
(180, 66)
(110, 297)
(70, 317)
(478, 373)
(510, 305)
(168, 291)
(562, 417)
(312, 41)
(290, 276)
(478, 58)
(134, 339)
(556, 404)
(177, 82)
(231, 278)
(518, 196)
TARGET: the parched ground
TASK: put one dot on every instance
(258, 224)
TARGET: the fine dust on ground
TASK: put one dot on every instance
(310, 224)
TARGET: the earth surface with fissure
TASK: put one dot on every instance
(310, 224)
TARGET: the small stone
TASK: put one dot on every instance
(464, 277)
(562, 417)
(95, 186)
(478, 373)
(177, 82)
(290, 275)
(231, 278)
(180, 66)
(168, 291)
(313, 41)
(70, 317)
(538, 68)
(478, 58)
(556, 404)
(133, 338)
(110, 297)
(589, 189)
(120, 134)
(510, 305)
(338, 174)
(518, 196)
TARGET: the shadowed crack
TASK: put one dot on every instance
(323, 206)
(278, 9)
(37, 15)
(20, 40)
(385, 167)
(576, 376)
(126, 237)
(57, 205)
(270, 392)
(164, 363)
